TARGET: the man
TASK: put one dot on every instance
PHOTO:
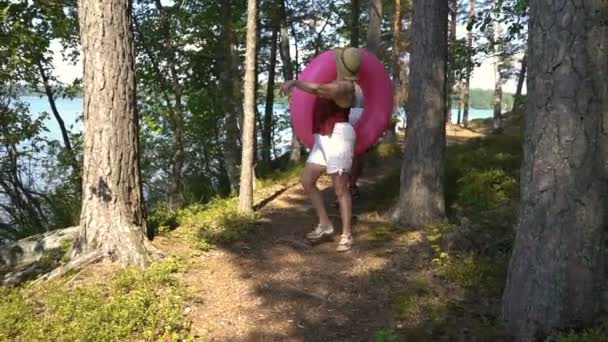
(334, 145)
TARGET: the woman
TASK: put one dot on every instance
(334, 145)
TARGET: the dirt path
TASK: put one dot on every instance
(274, 286)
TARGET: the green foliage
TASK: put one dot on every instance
(484, 173)
(597, 334)
(134, 306)
(420, 303)
(162, 219)
(215, 222)
(386, 150)
(437, 235)
(484, 190)
(384, 335)
(290, 174)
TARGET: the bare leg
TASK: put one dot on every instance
(357, 169)
(311, 174)
(345, 201)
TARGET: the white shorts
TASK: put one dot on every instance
(335, 152)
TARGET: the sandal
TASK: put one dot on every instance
(346, 243)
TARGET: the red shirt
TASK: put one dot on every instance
(326, 114)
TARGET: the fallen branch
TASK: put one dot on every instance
(76, 263)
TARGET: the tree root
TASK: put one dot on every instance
(78, 262)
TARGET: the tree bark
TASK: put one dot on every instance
(467, 83)
(374, 33)
(267, 128)
(421, 200)
(460, 98)
(558, 267)
(113, 214)
(228, 77)
(354, 22)
(295, 154)
(520, 82)
(64, 131)
(498, 60)
(246, 189)
(390, 134)
(452, 42)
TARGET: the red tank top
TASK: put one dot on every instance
(326, 114)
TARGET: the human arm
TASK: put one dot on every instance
(326, 90)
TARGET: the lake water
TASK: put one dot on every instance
(71, 110)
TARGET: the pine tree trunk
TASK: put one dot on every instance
(296, 147)
(467, 83)
(246, 189)
(113, 215)
(354, 22)
(558, 267)
(460, 98)
(520, 83)
(452, 42)
(391, 135)
(498, 60)
(421, 200)
(229, 76)
(267, 128)
(375, 26)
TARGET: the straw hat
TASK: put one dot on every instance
(348, 61)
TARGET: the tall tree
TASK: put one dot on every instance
(295, 153)
(421, 199)
(169, 53)
(229, 78)
(246, 189)
(374, 33)
(518, 101)
(267, 127)
(558, 266)
(113, 218)
(451, 50)
(354, 22)
(467, 81)
(390, 135)
(498, 57)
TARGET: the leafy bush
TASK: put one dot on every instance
(483, 173)
(162, 219)
(486, 189)
(134, 306)
(215, 222)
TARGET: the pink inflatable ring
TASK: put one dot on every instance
(377, 91)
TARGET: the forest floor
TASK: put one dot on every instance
(437, 283)
(275, 286)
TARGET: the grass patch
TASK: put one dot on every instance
(215, 222)
(285, 176)
(382, 153)
(420, 305)
(134, 306)
(384, 335)
(598, 334)
(483, 174)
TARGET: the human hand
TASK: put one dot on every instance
(286, 87)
